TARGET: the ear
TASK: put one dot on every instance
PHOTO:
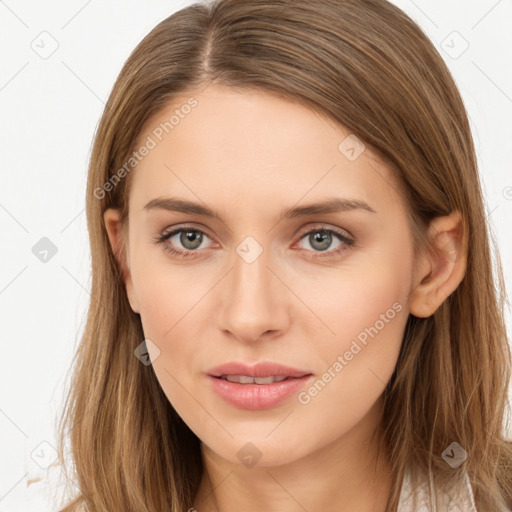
(441, 272)
(111, 217)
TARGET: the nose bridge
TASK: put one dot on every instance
(251, 280)
(254, 301)
(251, 276)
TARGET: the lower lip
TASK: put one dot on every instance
(257, 396)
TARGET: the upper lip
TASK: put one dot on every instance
(262, 369)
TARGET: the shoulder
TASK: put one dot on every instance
(415, 498)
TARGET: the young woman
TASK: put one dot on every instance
(293, 301)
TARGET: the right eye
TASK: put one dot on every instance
(189, 238)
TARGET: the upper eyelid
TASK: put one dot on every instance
(166, 233)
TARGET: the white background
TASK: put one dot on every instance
(50, 110)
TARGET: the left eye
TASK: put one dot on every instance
(320, 240)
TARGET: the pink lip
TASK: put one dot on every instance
(257, 396)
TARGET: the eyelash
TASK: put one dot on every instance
(162, 239)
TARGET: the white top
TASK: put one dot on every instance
(453, 500)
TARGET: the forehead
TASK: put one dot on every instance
(224, 143)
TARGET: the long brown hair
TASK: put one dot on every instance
(369, 67)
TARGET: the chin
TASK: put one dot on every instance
(259, 450)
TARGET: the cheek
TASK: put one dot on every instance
(369, 321)
(366, 312)
(170, 305)
(360, 300)
(168, 294)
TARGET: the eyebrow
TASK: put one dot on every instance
(332, 205)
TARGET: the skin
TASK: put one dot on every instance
(248, 155)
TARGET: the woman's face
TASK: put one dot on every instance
(255, 285)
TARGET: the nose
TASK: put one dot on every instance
(254, 301)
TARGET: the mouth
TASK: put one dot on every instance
(262, 386)
(247, 379)
(263, 369)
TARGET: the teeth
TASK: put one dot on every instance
(245, 379)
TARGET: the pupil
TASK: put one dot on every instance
(190, 236)
(322, 237)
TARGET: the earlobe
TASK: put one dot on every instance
(441, 272)
(111, 218)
